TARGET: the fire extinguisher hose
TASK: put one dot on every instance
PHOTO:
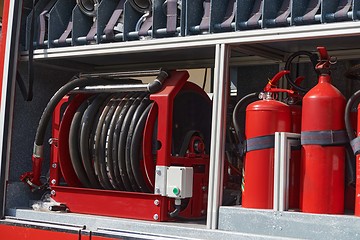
(237, 119)
(354, 141)
(314, 60)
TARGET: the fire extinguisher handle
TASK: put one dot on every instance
(275, 79)
(278, 90)
(271, 86)
(325, 60)
(323, 54)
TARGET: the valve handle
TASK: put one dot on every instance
(299, 80)
(325, 60)
(270, 87)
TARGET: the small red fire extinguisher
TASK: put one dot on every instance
(323, 138)
(263, 118)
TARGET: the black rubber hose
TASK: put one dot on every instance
(156, 85)
(124, 170)
(136, 171)
(115, 150)
(87, 123)
(103, 144)
(47, 113)
(110, 164)
(176, 211)
(99, 160)
(115, 125)
(314, 60)
(349, 105)
(74, 146)
(243, 102)
(136, 153)
(350, 156)
(350, 165)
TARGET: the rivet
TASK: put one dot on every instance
(53, 181)
(156, 202)
(156, 217)
(53, 192)
(54, 165)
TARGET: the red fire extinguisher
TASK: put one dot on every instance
(323, 138)
(263, 119)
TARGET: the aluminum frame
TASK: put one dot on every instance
(282, 153)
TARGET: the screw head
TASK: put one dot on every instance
(156, 202)
(53, 192)
(158, 172)
(202, 212)
(203, 188)
(157, 190)
(54, 165)
(53, 181)
(156, 217)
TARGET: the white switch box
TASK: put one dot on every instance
(179, 182)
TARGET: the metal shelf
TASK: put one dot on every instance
(252, 47)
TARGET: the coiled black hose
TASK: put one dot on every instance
(46, 115)
(86, 139)
(106, 140)
(74, 148)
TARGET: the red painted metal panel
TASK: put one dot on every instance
(112, 203)
(8, 232)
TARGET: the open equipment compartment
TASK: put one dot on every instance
(244, 43)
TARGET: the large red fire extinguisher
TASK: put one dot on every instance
(323, 138)
(263, 119)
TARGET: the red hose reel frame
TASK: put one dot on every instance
(134, 205)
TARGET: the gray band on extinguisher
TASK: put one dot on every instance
(355, 145)
(324, 138)
(259, 143)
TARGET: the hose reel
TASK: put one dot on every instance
(111, 138)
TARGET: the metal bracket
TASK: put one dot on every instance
(282, 152)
